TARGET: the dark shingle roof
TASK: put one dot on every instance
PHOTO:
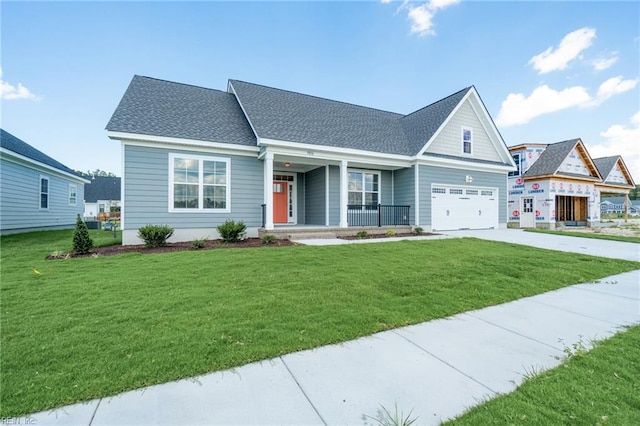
(551, 158)
(296, 117)
(102, 188)
(420, 126)
(12, 143)
(605, 165)
(163, 108)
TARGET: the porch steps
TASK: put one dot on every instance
(328, 232)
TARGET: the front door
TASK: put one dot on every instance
(280, 202)
(527, 214)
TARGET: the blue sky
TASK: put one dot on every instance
(546, 71)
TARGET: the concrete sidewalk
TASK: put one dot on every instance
(437, 369)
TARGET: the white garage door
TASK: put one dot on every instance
(468, 207)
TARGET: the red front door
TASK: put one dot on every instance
(280, 202)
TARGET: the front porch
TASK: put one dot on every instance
(306, 193)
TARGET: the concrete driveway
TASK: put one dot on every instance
(590, 246)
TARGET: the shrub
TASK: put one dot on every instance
(231, 231)
(268, 239)
(198, 244)
(82, 242)
(390, 233)
(418, 230)
(155, 235)
(362, 234)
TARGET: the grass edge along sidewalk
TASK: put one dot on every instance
(95, 327)
(595, 387)
(620, 238)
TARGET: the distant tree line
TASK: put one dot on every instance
(633, 194)
(96, 172)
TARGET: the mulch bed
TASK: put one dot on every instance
(171, 247)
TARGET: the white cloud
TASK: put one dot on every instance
(520, 109)
(611, 87)
(602, 64)
(421, 17)
(621, 139)
(570, 48)
(10, 92)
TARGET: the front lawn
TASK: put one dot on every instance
(599, 387)
(92, 327)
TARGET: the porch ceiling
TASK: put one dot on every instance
(290, 163)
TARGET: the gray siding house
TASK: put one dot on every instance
(275, 159)
(36, 191)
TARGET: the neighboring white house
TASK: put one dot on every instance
(101, 195)
(194, 157)
(36, 191)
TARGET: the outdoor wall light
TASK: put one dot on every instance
(287, 164)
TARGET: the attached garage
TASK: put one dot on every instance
(468, 207)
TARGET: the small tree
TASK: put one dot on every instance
(82, 242)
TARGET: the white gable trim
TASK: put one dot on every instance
(492, 133)
(461, 164)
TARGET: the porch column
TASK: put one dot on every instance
(344, 194)
(268, 191)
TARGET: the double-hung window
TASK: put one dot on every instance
(364, 189)
(73, 195)
(198, 183)
(467, 140)
(44, 192)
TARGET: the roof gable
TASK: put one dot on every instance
(102, 188)
(163, 108)
(614, 171)
(568, 158)
(20, 147)
(421, 125)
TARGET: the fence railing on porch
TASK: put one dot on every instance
(369, 215)
(377, 215)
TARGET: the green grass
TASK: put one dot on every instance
(91, 327)
(600, 387)
(588, 235)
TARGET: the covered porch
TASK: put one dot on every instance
(310, 192)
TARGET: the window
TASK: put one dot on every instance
(44, 192)
(198, 183)
(364, 189)
(516, 159)
(101, 208)
(73, 195)
(438, 191)
(455, 191)
(467, 138)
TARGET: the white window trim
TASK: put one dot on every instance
(73, 189)
(40, 192)
(462, 130)
(518, 164)
(373, 172)
(200, 208)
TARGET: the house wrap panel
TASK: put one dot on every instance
(447, 176)
(404, 190)
(20, 200)
(146, 190)
(449, 141)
